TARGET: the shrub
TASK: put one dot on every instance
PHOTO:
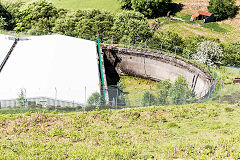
(148, 99)
(37, 16)
(163, 89)
(131, 24)
(95, 99)
(208, 53)
(126, 4)
(169, 39)
(13, 9)
(223, 9)
(5, 17)
(192, 44)
(85, 22)
(3, 23)
(179, 91)
(231, 54)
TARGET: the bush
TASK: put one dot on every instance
(5, 17)
(208, 53)
(85, 22)
(231, 54)
(13, 9)
(163, 89)
(192, 44)
(169, 39)
(38, 17)
(223, 9)
(151, 8)
(95, 99)
(131, 24)
(148, 99)
(3, 23)
(126, 4)
(179, 92)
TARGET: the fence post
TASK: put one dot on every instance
(112, 41)
(149, 97)
(145, 45)
(176, 51)
(221, 92)
(129, 43)
(117, 98)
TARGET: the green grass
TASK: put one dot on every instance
(196, 131)
(109, 5)
(135, 88)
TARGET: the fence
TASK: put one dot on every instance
(146, 97)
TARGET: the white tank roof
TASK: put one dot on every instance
(49, 66)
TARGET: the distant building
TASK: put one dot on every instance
(203, 15)
(44, 101)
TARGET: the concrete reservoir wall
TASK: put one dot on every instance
(156, 67)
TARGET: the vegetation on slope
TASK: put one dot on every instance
(200, 131)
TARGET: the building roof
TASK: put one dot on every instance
(204, 13)
(49, 66)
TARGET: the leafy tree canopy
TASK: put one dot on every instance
(85, 22)
(208, 53)
(151, 8)
(131, 24)
(231, 54)
(223, 9)
(37, 16)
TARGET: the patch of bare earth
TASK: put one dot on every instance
(192, 7)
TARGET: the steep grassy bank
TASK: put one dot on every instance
(199, 131)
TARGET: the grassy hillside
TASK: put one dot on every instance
(199, 131)
(110, 5)
(227, 30)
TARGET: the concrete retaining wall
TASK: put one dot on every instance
(157, 67)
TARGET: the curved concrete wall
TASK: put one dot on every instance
(157, 67)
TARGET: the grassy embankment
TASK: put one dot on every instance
(199, 131)
(227, 30)
(110, 5)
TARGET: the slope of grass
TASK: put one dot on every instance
(196, 131)
(109, 5)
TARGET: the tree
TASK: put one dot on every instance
(130, 24)
(208, 53)
(148, 99)
(169, 39)
(151, 8)
(231, 54)
(5, 17)
(163, 89)
(191, 44)
(21, 98)
(95, 99)
(38, 17)
(85, 22)
(3, 23)
(223, 9)
(180, 91)
(13, 9)
(126, 4)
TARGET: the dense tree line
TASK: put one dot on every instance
(223, 9)
(42, 17)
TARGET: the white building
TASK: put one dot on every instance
(54, 66)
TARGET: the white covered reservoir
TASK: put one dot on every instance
(53, 66)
